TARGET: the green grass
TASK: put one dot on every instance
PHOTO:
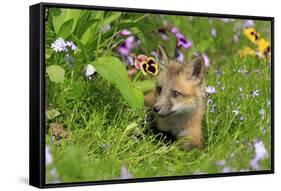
(104, 133)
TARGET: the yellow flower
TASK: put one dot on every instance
(247, 51)
(252, 34)
(263, 46)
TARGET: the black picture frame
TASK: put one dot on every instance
(37, 95)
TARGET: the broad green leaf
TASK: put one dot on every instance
(145, 85)
(65, 29)
(111, 69)
(60, 16)
(56, 73)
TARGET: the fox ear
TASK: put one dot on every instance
(162, 57)
(196, 69)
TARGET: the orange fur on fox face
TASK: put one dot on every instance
(176, 90)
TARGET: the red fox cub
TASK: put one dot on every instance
(178, 102)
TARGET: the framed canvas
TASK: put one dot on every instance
(123, 95)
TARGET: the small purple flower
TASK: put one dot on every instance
(260, 154)
(59, 45)
(195, 54)
(48, 156)
(154, 54)
(221, 162)
(125, 48)
(179, 55)
(174, 30)
(210, 90)
(182, 41)
(209, 102)
(214, 32)
(206, 60)
(249, 23)
(71, 45)
(125, 174)
(227, 169)
(125, 32)
(255, 93)
(163, 34)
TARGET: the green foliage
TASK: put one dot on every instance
(111, 69)
(56, 73)
(107, 126)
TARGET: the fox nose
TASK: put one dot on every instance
(156, 109)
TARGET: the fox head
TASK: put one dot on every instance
(179, 86)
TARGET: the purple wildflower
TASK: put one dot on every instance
(214, 32)
(260, 154)
(221, 162)
(59, 45)
(154, 54)
(125, 32)
(255, 93)
(48, 155)
(210, 90)
(174, 30)
(209, 101)
(125, 48)
(125, 174)
(206, 60)
(182, 41)
(179, 55)
(227, 169)
(71, 45)
(195, 54)
(163, 33)
(249, 23)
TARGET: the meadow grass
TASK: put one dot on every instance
(104, 135)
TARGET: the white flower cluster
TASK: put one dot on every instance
(60, 45)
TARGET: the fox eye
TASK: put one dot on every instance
(175, 93)
(158, 90)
